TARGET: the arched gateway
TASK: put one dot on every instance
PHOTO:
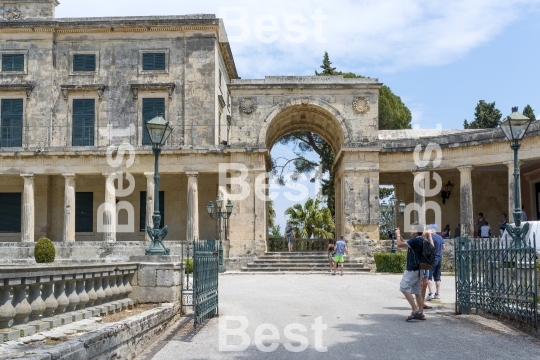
(342, 111)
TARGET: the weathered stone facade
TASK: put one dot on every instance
(218, 118)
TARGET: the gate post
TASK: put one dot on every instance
(463, 291)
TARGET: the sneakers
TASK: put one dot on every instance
(437, 296)
(430, 296)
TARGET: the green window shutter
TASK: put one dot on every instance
(150, 109)
(83, 122)
(12, 62)
(84, 212)
(10, 212)
(84, 62)
(142, 212)
(154, 61)
(11, 122)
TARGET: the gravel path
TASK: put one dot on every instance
(365, 319)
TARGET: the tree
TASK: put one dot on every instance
(393, 114)
(326, 66)
(275, 232)
(529, 112)
(271, 214)
(486, 116)
(311, 220)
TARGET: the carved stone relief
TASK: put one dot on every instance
(13, 13)
(248, 105)
(361, 105)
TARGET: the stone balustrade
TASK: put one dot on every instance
(42, 297)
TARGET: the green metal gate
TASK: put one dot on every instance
(498, 277)
(205, 280)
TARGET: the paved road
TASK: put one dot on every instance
(364, 315)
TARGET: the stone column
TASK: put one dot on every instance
(109, 221)
(420, 198)
(511, 192)
(28, 218)
(150, 187)
(192, 232)
(69, 207)
(466, 196)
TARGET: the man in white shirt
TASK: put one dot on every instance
(485, 230)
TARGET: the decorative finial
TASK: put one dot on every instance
(514, 109)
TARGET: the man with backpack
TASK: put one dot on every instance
(420, 256)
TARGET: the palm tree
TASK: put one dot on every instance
(311, 220)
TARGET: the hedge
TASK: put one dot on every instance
(44, 251)
(390, 262)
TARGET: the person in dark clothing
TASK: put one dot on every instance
(411, 281)
(435, 272)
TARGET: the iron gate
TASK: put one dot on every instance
(205, 280)
(187, 283)
(498, 277)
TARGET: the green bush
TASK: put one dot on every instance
(44, 252)
(189, 266)
(390, 262)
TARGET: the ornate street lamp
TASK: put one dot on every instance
(219, 215)
(159, 131)
(445, 194)
(514, 127)
(391, 207)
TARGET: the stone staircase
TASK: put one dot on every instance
(299, 262)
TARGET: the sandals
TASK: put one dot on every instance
(427, 307)
(415, 315)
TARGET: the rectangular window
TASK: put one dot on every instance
(150, 109)
(83, 122)
(153, 61)
(143, 210)
(10, 212)
(84, 62)
(12, 62)
(11, 122)
(84, 212)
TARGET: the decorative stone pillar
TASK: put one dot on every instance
(109, 215)
(20, 303)
(69, 208)
(7, 311)
(37, 304)
(28, 218)
(466, 196)
(192, 232)
(150, 187)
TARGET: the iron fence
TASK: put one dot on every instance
(280, 244)
(205, 280)
(497, 276)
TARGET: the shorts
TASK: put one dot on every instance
(330, 256)
(411, 282)
(425, 273)
(290, 240)
(338, 258)
(435, 272)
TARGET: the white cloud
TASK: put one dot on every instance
(368, 36)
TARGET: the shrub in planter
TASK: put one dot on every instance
(44, 251)
(390, 262)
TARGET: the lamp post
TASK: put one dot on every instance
(391, 207)
(218, 215)
(159, 131)
(514, 127)
(445, 194)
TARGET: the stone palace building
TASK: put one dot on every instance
(73, 89)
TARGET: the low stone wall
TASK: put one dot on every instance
(122, 340)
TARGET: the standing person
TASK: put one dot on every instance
(485, 230)
(502, 224)
(480, 222)
(330, 251)
(435, 272)
(457, 231)
(523, 213)
(289, 235)
(412, 278)
(340, 249)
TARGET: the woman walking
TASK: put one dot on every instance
(330, 251)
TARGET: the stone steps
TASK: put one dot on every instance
(298, 262)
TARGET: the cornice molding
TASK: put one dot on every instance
(157, 86)
(27, 87)
(100, 88)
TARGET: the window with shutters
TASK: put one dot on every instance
(11, 122)
(84, 212)
(84, 62)
(83, 122)
(10, 212)
(151, 107)
(12, 62)
(154, 61)
(142, 221)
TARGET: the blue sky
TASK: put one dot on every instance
(440, 57)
